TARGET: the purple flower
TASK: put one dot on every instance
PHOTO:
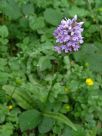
(68, 35)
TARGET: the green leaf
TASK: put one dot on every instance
(67, 132)
(6, 130)
(3, 77)
(46, 125)
(74, 85)
(42, 3)
(2, 96)
(29, 119)
(44, 63)
(36, 23)
(67, 62)
(3, 63)
(20, 96)
(28, 9)
(3, 31)
(52, 16)
(3, 112)
(92, 55)
(76, 11)
(60, 117)
(36, 91)
(11, 9)
(56, 90)
(80, 131)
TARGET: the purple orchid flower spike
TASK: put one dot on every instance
(68, 35)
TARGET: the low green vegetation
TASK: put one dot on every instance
(43, 93)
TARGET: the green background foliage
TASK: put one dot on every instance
(46, 90)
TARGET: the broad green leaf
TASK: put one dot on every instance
(81, 12)
(36, 23)
(6, 130)
(64, 3)
(29, 119)
(60, 117)
(52, 16)
(67, 132)
(28, 9)
(11, 9)
(44, 63)
(92, 55)
(14, 64)
(46, 125)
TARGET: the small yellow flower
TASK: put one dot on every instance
(10, 107)
(89, 82)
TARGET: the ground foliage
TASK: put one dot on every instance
(43, 93)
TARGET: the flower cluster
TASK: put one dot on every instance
(68, 35)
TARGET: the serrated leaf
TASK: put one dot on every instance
(81, 12)
(92, 55)
(6, 130)
(29, 119)
(46, 125)
(67, 132)
(11, 9)
(42, 3)
(36, 23)
(44, 63)
(28, 9)
(52, 16)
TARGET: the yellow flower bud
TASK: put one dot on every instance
(89, 82)
(67, 107)
(10, 107)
